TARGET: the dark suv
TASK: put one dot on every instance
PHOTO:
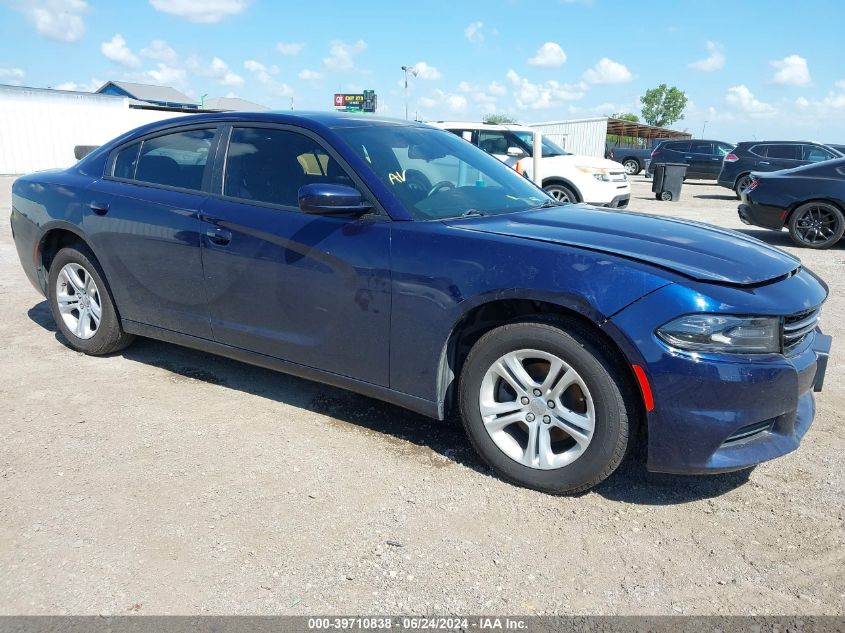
(703, 158)
(769, 156)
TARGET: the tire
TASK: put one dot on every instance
(666, 196)
(566, 466)
(632, 166)
(77, 284)
(741, 183)
(561, 193)
(817, 225)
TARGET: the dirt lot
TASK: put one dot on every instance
(167, 481)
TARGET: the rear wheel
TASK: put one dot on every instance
(561, 193)
(816, 225)
(632, 166)
(542, 403)
(742, 183)
(82, 305)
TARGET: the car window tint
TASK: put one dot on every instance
(678, 146)
(815, 154)
(723, 149)
(493, 142)
(792, 152)
(701, 148)
(758, 150)
(175, 160)
(125, 162)
(267, 165)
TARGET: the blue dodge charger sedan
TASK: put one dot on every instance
(402, 262)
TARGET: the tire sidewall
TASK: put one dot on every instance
(635, 170)
(611, 423)
(800, 211)
(109, 327)
(569, 192)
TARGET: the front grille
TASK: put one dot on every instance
(749, 431)
(618, 176)
(797, 327)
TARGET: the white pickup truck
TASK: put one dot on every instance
(567, 177)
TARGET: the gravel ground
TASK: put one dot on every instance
(168, 481)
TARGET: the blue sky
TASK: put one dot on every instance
(752, 68)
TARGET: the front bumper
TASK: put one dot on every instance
(619, 202)
(719, 413)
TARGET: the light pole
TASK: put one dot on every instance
(412, 70)
(703, 127)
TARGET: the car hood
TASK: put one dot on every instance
(696, 250)
(576, 160)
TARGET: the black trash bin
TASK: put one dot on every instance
(667, 181)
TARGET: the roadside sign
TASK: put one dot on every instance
(359, 102)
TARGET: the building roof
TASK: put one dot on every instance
(150, 93)
(232, 104)
(622, 128)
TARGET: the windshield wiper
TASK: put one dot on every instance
(472, 213)
(549, 203)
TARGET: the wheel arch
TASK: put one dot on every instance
(55, 237)
(799, 203)
(484, 317)
(558, 180)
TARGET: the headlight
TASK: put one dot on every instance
(722, 333)
(597, 172)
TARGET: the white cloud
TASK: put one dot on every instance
(289, 49)
(160, 50)
(802, 102)
(12, 76)
(791, 71)
(454, 103)
(266, 77)
(166, 75)
(117, 51)
(342, 55)
(497, 89)
(474, 32)
(216, 69)
(309, 75)
(533, 96)
(88, 86)
(714, 61)
(205, 11)
(549, 55)
(607, 71)
(741, 97)
(57, 19)
(427, 72)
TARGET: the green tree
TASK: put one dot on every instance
(663, 106)
(498, 119)
(626, 116)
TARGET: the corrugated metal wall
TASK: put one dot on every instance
(39, 128)
(585, 136)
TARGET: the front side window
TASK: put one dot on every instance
(175, 160)
(816, 154)
(526, 139)
(270, 166)
(437, 175)
(723, 149)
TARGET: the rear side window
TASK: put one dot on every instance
(701, 148)
(127, 159)
(175, 160)
(791, 152)
(815, 154)
(266, 165)
(677, 146)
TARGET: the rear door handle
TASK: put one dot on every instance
(688, 157)
(219, 236)
(764, 162)
(100, 208)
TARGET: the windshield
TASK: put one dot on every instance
(549, 148)
(437, 175)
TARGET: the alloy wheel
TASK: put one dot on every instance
(537, 409)
(79, 301)
(816, 225)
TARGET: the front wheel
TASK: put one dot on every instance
(542, 404)
(632, 167)
(81, 303)
(816, 225)
(561, 193)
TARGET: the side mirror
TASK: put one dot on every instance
(516, 152)
(332, 199)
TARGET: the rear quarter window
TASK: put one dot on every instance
(175, 160)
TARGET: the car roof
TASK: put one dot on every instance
(480, 125)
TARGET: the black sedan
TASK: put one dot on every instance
(808, 200)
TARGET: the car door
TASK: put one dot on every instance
(143, 223)
(780, 156)
(699, 159)
(310, 289)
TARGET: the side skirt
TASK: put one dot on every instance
(418, 405)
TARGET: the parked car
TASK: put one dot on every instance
(703, 158)
(838, 147)
(399, 261)
(808, 200)
(566, 177)
(633, 159)
(763, 156)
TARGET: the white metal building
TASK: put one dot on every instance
(40, 127)
(590, 136)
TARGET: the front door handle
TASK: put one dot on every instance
(688, 157)
(100, 208)
(764, 162)
(219, 236)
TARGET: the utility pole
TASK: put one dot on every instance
(412, 70)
